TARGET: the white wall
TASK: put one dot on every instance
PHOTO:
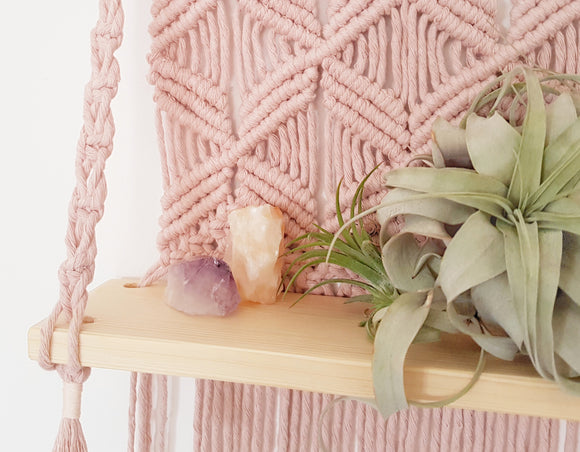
(45, 64)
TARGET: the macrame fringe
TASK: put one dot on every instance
(70, 437)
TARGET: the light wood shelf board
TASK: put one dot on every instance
(314, 346)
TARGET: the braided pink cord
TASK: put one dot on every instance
(87, 204)
(85, 210)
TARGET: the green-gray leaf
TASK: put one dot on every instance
(527, 175)
(558, 147)
(550, 247)
(401, 201)
(395, 333)
(493, 301)
(502, 347)
(450, 142)
(570, 268)
(400, 257)
(566, 323)
(493, 146)
(444, 180)
(560, 114)
(475, 255)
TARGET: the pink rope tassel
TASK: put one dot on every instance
(70, 436)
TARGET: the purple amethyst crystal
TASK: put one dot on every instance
(202, 286)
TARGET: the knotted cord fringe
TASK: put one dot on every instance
(319, 102)
(85, 210)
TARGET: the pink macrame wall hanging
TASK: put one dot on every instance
(274, 101)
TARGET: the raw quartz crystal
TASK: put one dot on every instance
(202, 286)
(256, 243)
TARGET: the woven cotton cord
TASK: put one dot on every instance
(85, 210)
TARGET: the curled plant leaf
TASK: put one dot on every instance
(570, 267)
(449, 147)
(493, 146)
(560, 114)
(567, 334)
(474, 256)
(493, 301)
(400, 257)
(397, 330)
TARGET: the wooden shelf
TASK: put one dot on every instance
(313, 346)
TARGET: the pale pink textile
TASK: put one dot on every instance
(352, 426)
(318, 101)
(319, 95)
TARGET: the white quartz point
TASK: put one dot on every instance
(256, 242)
(202, 286)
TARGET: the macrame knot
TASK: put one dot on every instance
(71, 403)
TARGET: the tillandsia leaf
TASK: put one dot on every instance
(367, 298)
(486, 95)
(359, 233)
(438, 317)
(558, 148)
(371, 250)
(456, 184)
(522, 262)
(401, 201)
(362, 256)
(427, 334)
(560, 114)
(493, 301)
(566, 332)
(345, 234)
(565, 171)
(446, 401)
(420, 225)
(332, 281)
(528, 170)
(397, 330)
(444, 180)
(501, 347)
(562, 214)
(493, 146)
(450, 148)
(570, 267)
(400, 256)
(347, 261)
(475, 255)
(550, 248)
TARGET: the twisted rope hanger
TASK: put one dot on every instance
(85, 210)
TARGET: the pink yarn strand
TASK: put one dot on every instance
(160, 443)
(132, 412)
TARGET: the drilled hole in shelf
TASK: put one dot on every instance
(131, 285)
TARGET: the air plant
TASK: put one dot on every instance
(354, 250)
(498, 211)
